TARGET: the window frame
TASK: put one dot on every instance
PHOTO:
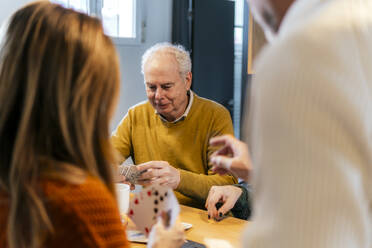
(139, 27)
(95, 9)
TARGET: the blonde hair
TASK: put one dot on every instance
(59, 76)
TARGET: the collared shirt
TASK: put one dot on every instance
(182, 117)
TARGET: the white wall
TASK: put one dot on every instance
(7, 7)
(158, 16)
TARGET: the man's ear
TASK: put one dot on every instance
(188, 80)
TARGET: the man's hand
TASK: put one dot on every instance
(119, 178)
(159, 172)
(227, 195)
(232, 157)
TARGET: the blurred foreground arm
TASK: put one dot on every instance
(163, 237)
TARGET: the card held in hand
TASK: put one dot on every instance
(130, 172)
(153, 201)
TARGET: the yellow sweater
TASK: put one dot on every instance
(184, 144)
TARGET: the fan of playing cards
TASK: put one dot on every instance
(153, 201)
(130, 172)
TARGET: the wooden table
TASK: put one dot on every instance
(228, 229)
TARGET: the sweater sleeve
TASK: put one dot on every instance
(197, 186)
(311, 148)
(242, 208)
(84, 216)
(122, 137)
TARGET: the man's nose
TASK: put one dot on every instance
(159, 93)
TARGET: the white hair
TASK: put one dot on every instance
(182, 56)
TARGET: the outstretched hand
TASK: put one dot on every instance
(233, 157)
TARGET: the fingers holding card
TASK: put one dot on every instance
(153, 201)
(130, 173)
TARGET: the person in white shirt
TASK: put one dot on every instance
(310, 126)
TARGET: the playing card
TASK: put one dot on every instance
(171, 208)
(151, 202)
(130, 172)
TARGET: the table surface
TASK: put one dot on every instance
(228, 229)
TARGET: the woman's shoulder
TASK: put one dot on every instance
(88, 188)
(87, 210)
(86, 200)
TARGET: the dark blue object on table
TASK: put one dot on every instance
(192, 244)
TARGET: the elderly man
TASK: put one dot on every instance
(168, 135)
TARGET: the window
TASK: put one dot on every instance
(121, 18)
(238, 63)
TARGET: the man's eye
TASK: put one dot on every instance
(165, 87)
(152, 87)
